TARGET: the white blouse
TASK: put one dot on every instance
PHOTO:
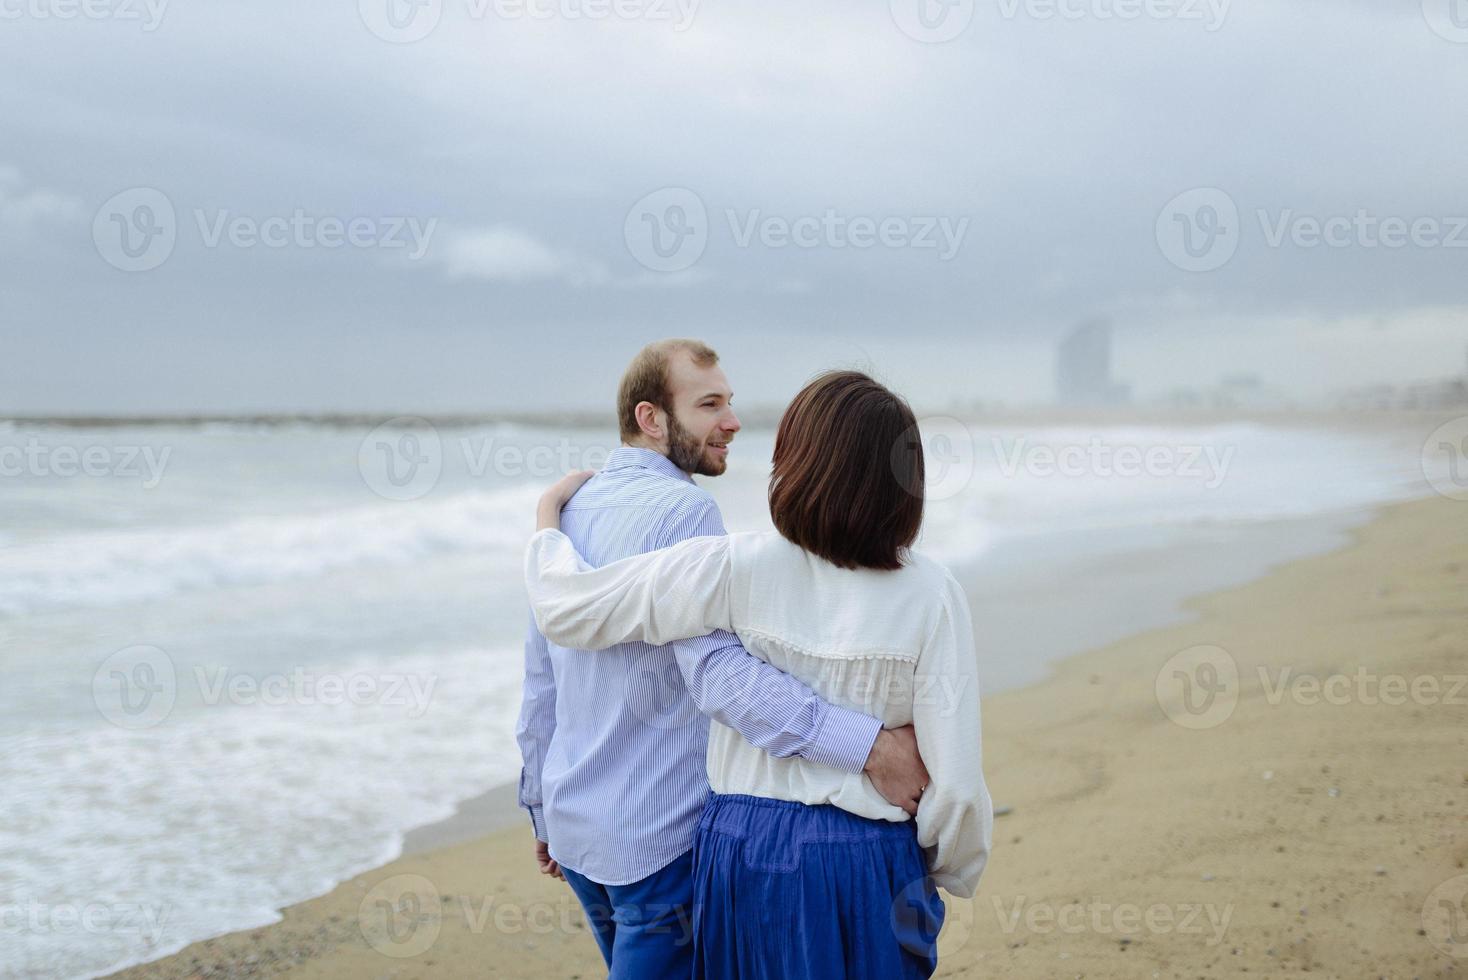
(897, 645)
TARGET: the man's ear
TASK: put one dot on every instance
(650, 420)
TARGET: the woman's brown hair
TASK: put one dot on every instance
(847, 482)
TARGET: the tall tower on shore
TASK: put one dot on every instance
(1083, 368)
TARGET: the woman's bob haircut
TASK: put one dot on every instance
(848, 480)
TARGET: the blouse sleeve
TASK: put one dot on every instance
(657, 597)
(955, 818)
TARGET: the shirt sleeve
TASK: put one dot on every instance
(536, 725)
(955, 818)
(656, 597)
(770, 709)
(676, 593)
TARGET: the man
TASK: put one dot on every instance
(614, 742)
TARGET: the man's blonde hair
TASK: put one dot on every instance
(646, 379)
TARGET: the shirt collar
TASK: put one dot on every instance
(624, 457)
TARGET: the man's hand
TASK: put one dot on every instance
(548, 865)
(896, 768)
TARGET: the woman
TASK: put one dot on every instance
(799, 869)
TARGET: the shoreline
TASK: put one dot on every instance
(331, 936)
(765, 416)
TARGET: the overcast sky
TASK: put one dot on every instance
(221, 205)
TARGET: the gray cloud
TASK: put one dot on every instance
(1057, 141)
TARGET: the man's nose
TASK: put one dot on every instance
(731, 424)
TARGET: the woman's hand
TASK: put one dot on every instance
(548, 512)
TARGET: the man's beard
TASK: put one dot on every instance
(688, 454)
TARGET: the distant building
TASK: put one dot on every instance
(1182, 398)
(1245, 392)
(1375, 398)
(1448, 393)
(1438, 393)
(1083, 368)
(1233, 393)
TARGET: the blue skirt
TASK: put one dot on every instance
(785, 890)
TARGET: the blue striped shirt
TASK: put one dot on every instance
(613, 742)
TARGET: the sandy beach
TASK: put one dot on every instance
(1277, 787)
